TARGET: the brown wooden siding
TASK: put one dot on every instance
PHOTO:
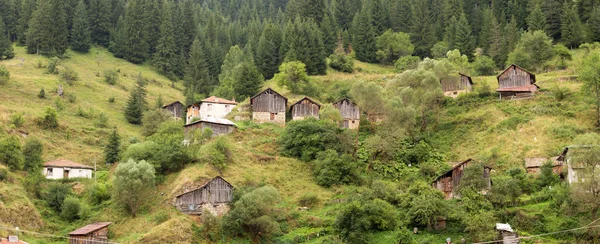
(217, 191)
(450, 181)
(514, 77)
(456, 84)
(175, 109)
(218, 129)
(305, 108)
(269, 101)
(348, 110)
(97, 237)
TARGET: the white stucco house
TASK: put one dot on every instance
(212, 107)
(66, 169)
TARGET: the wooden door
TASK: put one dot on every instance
(346, 124)
(272, 116)
(66, 174)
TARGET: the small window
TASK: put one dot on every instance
(353, 121)
(49, 172)
(273, 116)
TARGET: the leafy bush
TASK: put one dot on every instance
(393, 45)
(505, 192)
(42, 94)
(111, 76)
(55, 195)
(71, 98)
(423, 204)
(111, 99)
(49, 119)
(70, 209)
(332, 169)
(560, 93)
(255, 213)
(17, 120)
(152, 120)
(484, 65)
(340, 61)
(101, 121)
(98, 193)
(143, 151)
(4, 75)
(52, 66)
(219, 153)
(210, 228)
(172, 154)
(33, 184)
(133, 183)
(32, 153)
(10, 153)
(407, 62)
(484, 90)
(361, 217)
(309, 200)
(69, 75)
(3, 174)
(59, 104)
(304, 139)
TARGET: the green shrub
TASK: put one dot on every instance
(152, 120)
(70, 209)
(484, 90)
(3, 174)
(142, 151)
(304, 139)
(406, 63)
(309, 200)
(512, 123)
(69, 76)
(55, 195)
(52, 66)
(111, 99)
(101, 121)
(59, 104)
(33, 184)
(10, 153)
(341, 62)
(111, 76)
(4, 75)
(219, 153)
(32, 153)
(560, 93)
(98, 193)
(333, 169)
(210, 228)
(17, 120)
(484, 65)
(71, 98)
(255, 213)
(358, 218)
(49, 119)
(42, 94)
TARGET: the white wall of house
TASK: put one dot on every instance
(56, 173)
(215, 110)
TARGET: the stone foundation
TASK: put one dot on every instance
(265, 117)
(454, 94)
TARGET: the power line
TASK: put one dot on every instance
(545, 234)
(51, 235)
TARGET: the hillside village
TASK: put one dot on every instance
(299, 121)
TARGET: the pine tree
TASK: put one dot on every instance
(553, 10)
(6, 49)
(117, 39)
(317, 52)
(594, 24)
(100, 16)
(363, 40)
(496, 43)
(463, 37)
(48, 33)
(484, 34)
(152, 22)
(13, 19)
(511, 35)
(422, 32)
(118, 10)
(536, 20)
(453, 8)
(302, 42)
(267, 52)
(112, 150)
(197, 80)
(380, 17)
(450, 33)
(80, 32)
(27, 9)
(344, 11)
(165, 57)
(571, 31)
(189, 25)
(136, 105)
(328, 32)
(400, 15)
(135, 44)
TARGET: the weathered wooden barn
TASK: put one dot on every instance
(350, 113)
(96, 233)
(515, 83)
(268, 106)
(304, 108)
(454, 86)
(217, 125)
(449, 181)
(534, 165)
(214, 195)
(175, 108)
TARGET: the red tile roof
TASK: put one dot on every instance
(89, 228)
(67, 164)
(214, 99)
(5, 241)
(529, 88)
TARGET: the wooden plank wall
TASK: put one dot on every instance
(306, 108)
(217, 129)
(176, 110)
(456, 84)
(348, 110)
(514, 77)
(270, 102)
(216, 192)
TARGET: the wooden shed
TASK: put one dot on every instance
(268, 106)
(217, 125)
(214, 195)
(534, 165)
(96, 233)
(449, 181)
(305, 107)
(515, 83)
(350, 113)
(175, 108)
(454, 86)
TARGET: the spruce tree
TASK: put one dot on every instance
(27, 9)
(453, 8)
(135, 38)
(136, 105)
(267, 52)
(463, 37)
(189, 25)
(400, 15)
(422, 31)
(536, 19)
(197, 79)
(80, 32)
(594, 24)
(6, 49)
(363, 40)
(328, 32)
(13, 19)
(496, 43)
(344, 11)
(484, 34)
(152, 22)
(165, 57)
(511, 35)
(117, 39)
(450, 32)
(112, 150)
(571, 30)
(553, 11)
(48, 33)
(100, 21)
(380, 16)
(118, 10)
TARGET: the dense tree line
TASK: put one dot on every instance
(270, 32)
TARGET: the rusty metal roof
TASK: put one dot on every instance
(89, 228)
(63, 163)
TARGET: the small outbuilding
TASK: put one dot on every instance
(350, 113)
(12, 240)
(268, 106)
(449, 181)
(96, 233)
(212, 107)
(66, 169)
(175, 108)
(219, 126)
(305, 108)
(454, 86)
(515, 83)
(214, 196)
(506, 234)
(534, 165)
